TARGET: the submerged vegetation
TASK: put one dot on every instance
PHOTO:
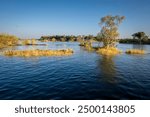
(109, 51)
(32, 53)
(108, 36)
(85, 44)
(135, 51)
(8, 40)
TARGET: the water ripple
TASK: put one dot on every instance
(84, 75)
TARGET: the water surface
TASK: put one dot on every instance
(84, 75)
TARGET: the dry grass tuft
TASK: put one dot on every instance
(135, 51)
(32, 53)
(8, 40)
(109, 51)
(29, 42)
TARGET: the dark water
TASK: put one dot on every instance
(84, 75)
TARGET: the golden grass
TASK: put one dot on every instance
(33, 41)
(8, 40)
(32, 53)
(26, 42)
(135, 51)
(29, 42)
(109, 51)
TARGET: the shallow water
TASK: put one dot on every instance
(84, 75)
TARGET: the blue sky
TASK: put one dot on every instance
(34, 18)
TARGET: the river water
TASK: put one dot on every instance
(84, 75)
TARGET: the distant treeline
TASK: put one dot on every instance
(134, 41)
(79, 38)
(64, 38)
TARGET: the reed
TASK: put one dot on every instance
(109, 51)
(37, 52)
(135, 51)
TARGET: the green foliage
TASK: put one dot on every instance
(134, 41)
(8, 40)
(141, 36)
(109, 30)
(72, 38)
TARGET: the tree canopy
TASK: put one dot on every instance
(140, 36)
(109, 30)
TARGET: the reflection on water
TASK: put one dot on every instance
(107, 67)
(139, 46)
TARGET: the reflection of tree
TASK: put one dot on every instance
(137, 46)
(107, 68)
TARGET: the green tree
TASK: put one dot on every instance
(109, 30)
(141, 36)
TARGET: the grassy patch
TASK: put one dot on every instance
(135, 51)
(32, 53)
(109, 51)
(29, 42)
(8, 40)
